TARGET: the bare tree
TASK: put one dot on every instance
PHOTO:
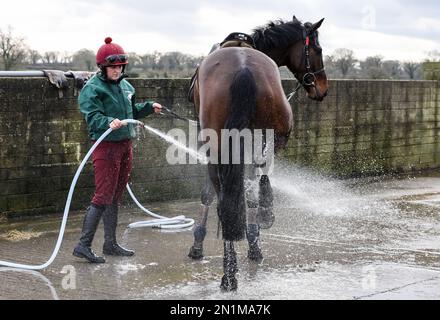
(392, 68)
(66, 57)
(33, 56)
(51, 57)
(171, 61)
(371, 68)
(343, 60)
(12, 49)
(84, 60)
(150, 60)
(411, 69)
(134, 61)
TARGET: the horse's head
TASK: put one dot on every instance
(304, 60)
(297, 47)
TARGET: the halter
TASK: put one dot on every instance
(309, 77)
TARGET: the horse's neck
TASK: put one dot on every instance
(277, 56)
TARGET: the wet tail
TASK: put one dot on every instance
(232, 206)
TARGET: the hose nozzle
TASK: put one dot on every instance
(127, 121)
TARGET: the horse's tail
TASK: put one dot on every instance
(232, 205)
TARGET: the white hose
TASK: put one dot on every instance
(157, 223)
(37, 274)
(178, 222)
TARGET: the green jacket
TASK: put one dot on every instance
(101, 102)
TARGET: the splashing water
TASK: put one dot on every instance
(309, 191)
(317, 194)
(200, 157)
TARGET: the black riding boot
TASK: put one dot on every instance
(111, 247)
(83, 248)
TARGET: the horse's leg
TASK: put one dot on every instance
(229, 282)
(265, 216)
(253, 229)
(207, 197)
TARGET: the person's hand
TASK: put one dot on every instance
(157, 107)
(116, 124)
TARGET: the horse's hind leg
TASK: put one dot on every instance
(265, 216)
(253, 237)
(229, 282)
(253, 229)
(207, 197)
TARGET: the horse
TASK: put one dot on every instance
(239, 88)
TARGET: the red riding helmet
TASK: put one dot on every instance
(111, 54)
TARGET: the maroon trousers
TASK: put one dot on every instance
(112, 163)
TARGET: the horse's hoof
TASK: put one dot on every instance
(255, 255)
(265, 218)
(195, 253)
(229, 284)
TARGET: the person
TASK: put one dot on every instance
(106, 100)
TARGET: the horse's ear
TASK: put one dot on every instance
(294, 18)
(315, 26)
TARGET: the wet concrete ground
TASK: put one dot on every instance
(332, 239)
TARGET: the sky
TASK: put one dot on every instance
(403, 30)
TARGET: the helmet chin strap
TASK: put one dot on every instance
(121, 77)
(123, 74)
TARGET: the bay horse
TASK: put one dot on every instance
(240, 88)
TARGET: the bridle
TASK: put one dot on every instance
(309, 78)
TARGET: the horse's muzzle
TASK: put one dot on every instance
(317, 95)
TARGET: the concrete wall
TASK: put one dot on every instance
(43, 138)
(362, 127)
(369, 127)
(431, 70)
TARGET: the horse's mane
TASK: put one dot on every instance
(277, 34)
